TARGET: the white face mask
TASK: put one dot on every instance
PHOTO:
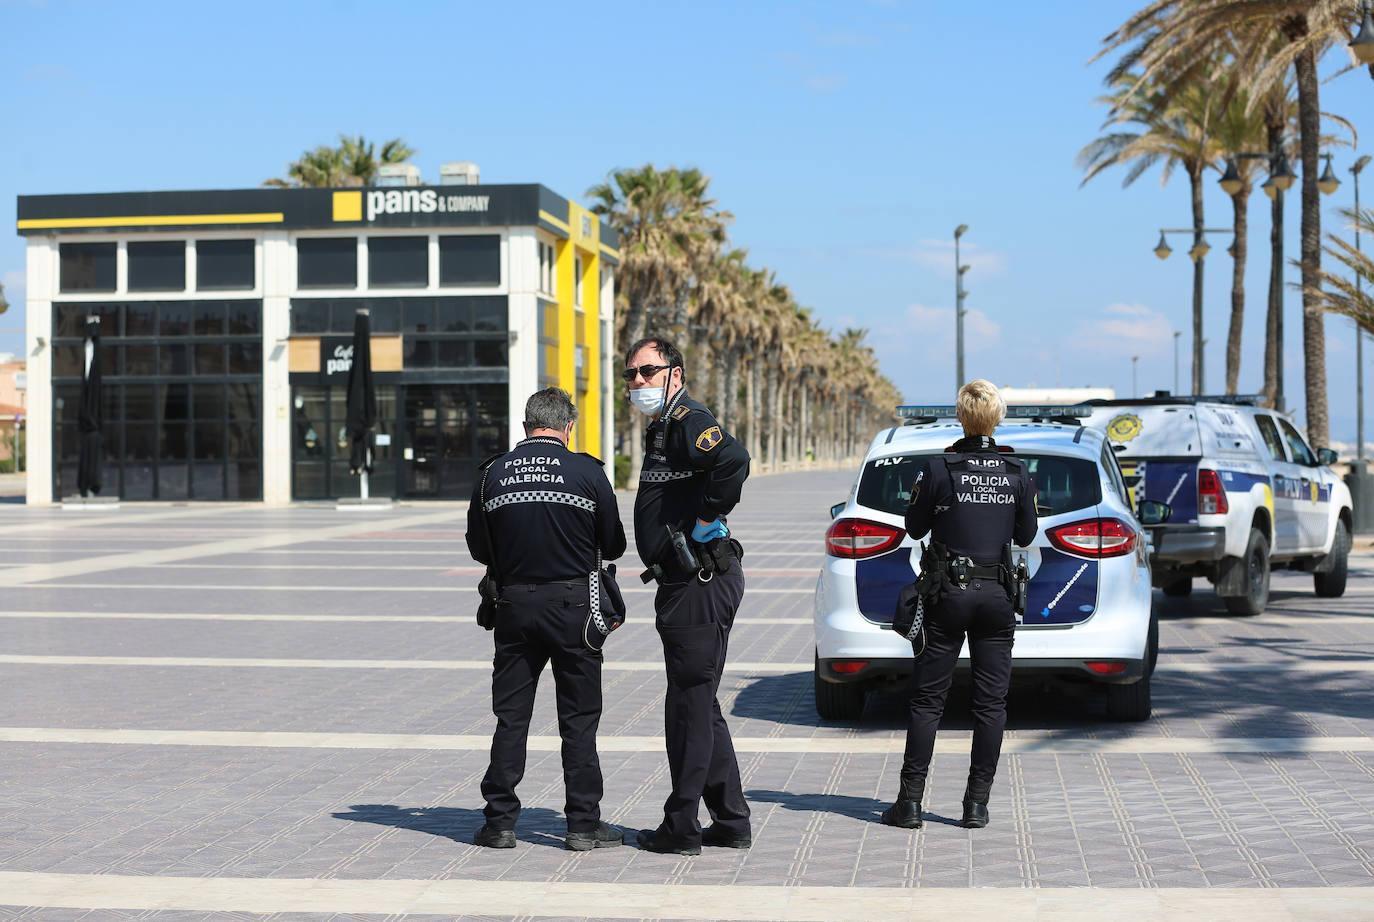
(647, 400)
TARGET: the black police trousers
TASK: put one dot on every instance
(985, 615)
(536, 625)
(693, 621)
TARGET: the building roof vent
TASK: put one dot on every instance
(398, 174)
(459, 173)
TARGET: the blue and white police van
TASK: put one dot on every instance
(1088, 618)
(1246, 492)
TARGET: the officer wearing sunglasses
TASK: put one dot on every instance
(691, 479)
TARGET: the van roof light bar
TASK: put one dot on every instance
(1164, 398)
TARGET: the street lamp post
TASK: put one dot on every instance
(1197, 252)
(959, 270)
(1135, 388)
(1177, 334)
(1359, 331)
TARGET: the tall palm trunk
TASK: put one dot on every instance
(1313, 320)
(774, 431)
(732, 369)
(701, 363)
(1195, 181)
(723, 403)
(756, 406)
(804, 421)
(1273, 318)
(1239, 207)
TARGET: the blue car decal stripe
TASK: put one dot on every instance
(1063, 590)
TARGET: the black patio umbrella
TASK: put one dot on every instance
(91, 418)
(362, 399)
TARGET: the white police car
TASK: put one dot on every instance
(1247, 494)
(1088, 617)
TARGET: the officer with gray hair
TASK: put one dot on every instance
(539, 515)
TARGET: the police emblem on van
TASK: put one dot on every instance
(1123, 428)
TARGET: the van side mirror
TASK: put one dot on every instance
(1327, 456)
(837, 509)
(1153, 512)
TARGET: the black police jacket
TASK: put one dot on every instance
(974, 499)
(548, 509)
(693, 469)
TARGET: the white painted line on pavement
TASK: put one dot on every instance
(621, 900)
(890, 744)
(226, 662)
(463, 618)
(143, 587)
(279, 535)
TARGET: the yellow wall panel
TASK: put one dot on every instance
(304, 355)
(386, 353)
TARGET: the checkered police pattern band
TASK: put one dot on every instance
(663, 476)
(540, 496)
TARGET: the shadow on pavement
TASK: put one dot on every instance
(538, 825)
(865, 809)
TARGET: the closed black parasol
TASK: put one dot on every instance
(90, 420)
(362, 399)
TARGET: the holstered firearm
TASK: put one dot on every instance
(1016, 580)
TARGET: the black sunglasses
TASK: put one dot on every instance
(648, 371)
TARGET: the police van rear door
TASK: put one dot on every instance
(1158, 448)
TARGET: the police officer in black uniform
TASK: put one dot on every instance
(973, 501)
(548, 510)
(691, 478)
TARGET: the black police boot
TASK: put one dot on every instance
(724, 838)
(603, 836)
(975, 809)
(491, 837)
(906, 812)
(653, 841)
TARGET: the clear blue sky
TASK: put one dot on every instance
(848, 139)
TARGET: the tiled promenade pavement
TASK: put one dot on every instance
(231, 712)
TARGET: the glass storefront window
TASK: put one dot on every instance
(398, 262)
(157, 265)
(172, 406)
(224, 264)
(470, 260)
(87, 266)
(327, 262)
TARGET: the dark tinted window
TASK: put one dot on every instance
(157, 265)
(1270, 433)
(327, 262)
(174, 319)
(224, 264)
(87, 266)
(470, 260)
(1296, 446)
(1062, 484)
(398, 262)
(140, 318)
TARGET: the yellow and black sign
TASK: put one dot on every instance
(1123, 428)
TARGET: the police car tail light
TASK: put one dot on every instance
(1094, 538)
(1211, 496)
(861, 538)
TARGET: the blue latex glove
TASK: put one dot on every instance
(714, 529)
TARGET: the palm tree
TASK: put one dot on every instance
(354, 162)
(1350, 295)
(1173, 130)
(1176, 36)
(667, 228)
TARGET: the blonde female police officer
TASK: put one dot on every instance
(972, 502)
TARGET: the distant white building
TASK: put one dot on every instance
(1021, 396)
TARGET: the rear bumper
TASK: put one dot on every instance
(1187, 544)
(890, 668)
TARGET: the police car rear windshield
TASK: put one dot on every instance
(1061, 484)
